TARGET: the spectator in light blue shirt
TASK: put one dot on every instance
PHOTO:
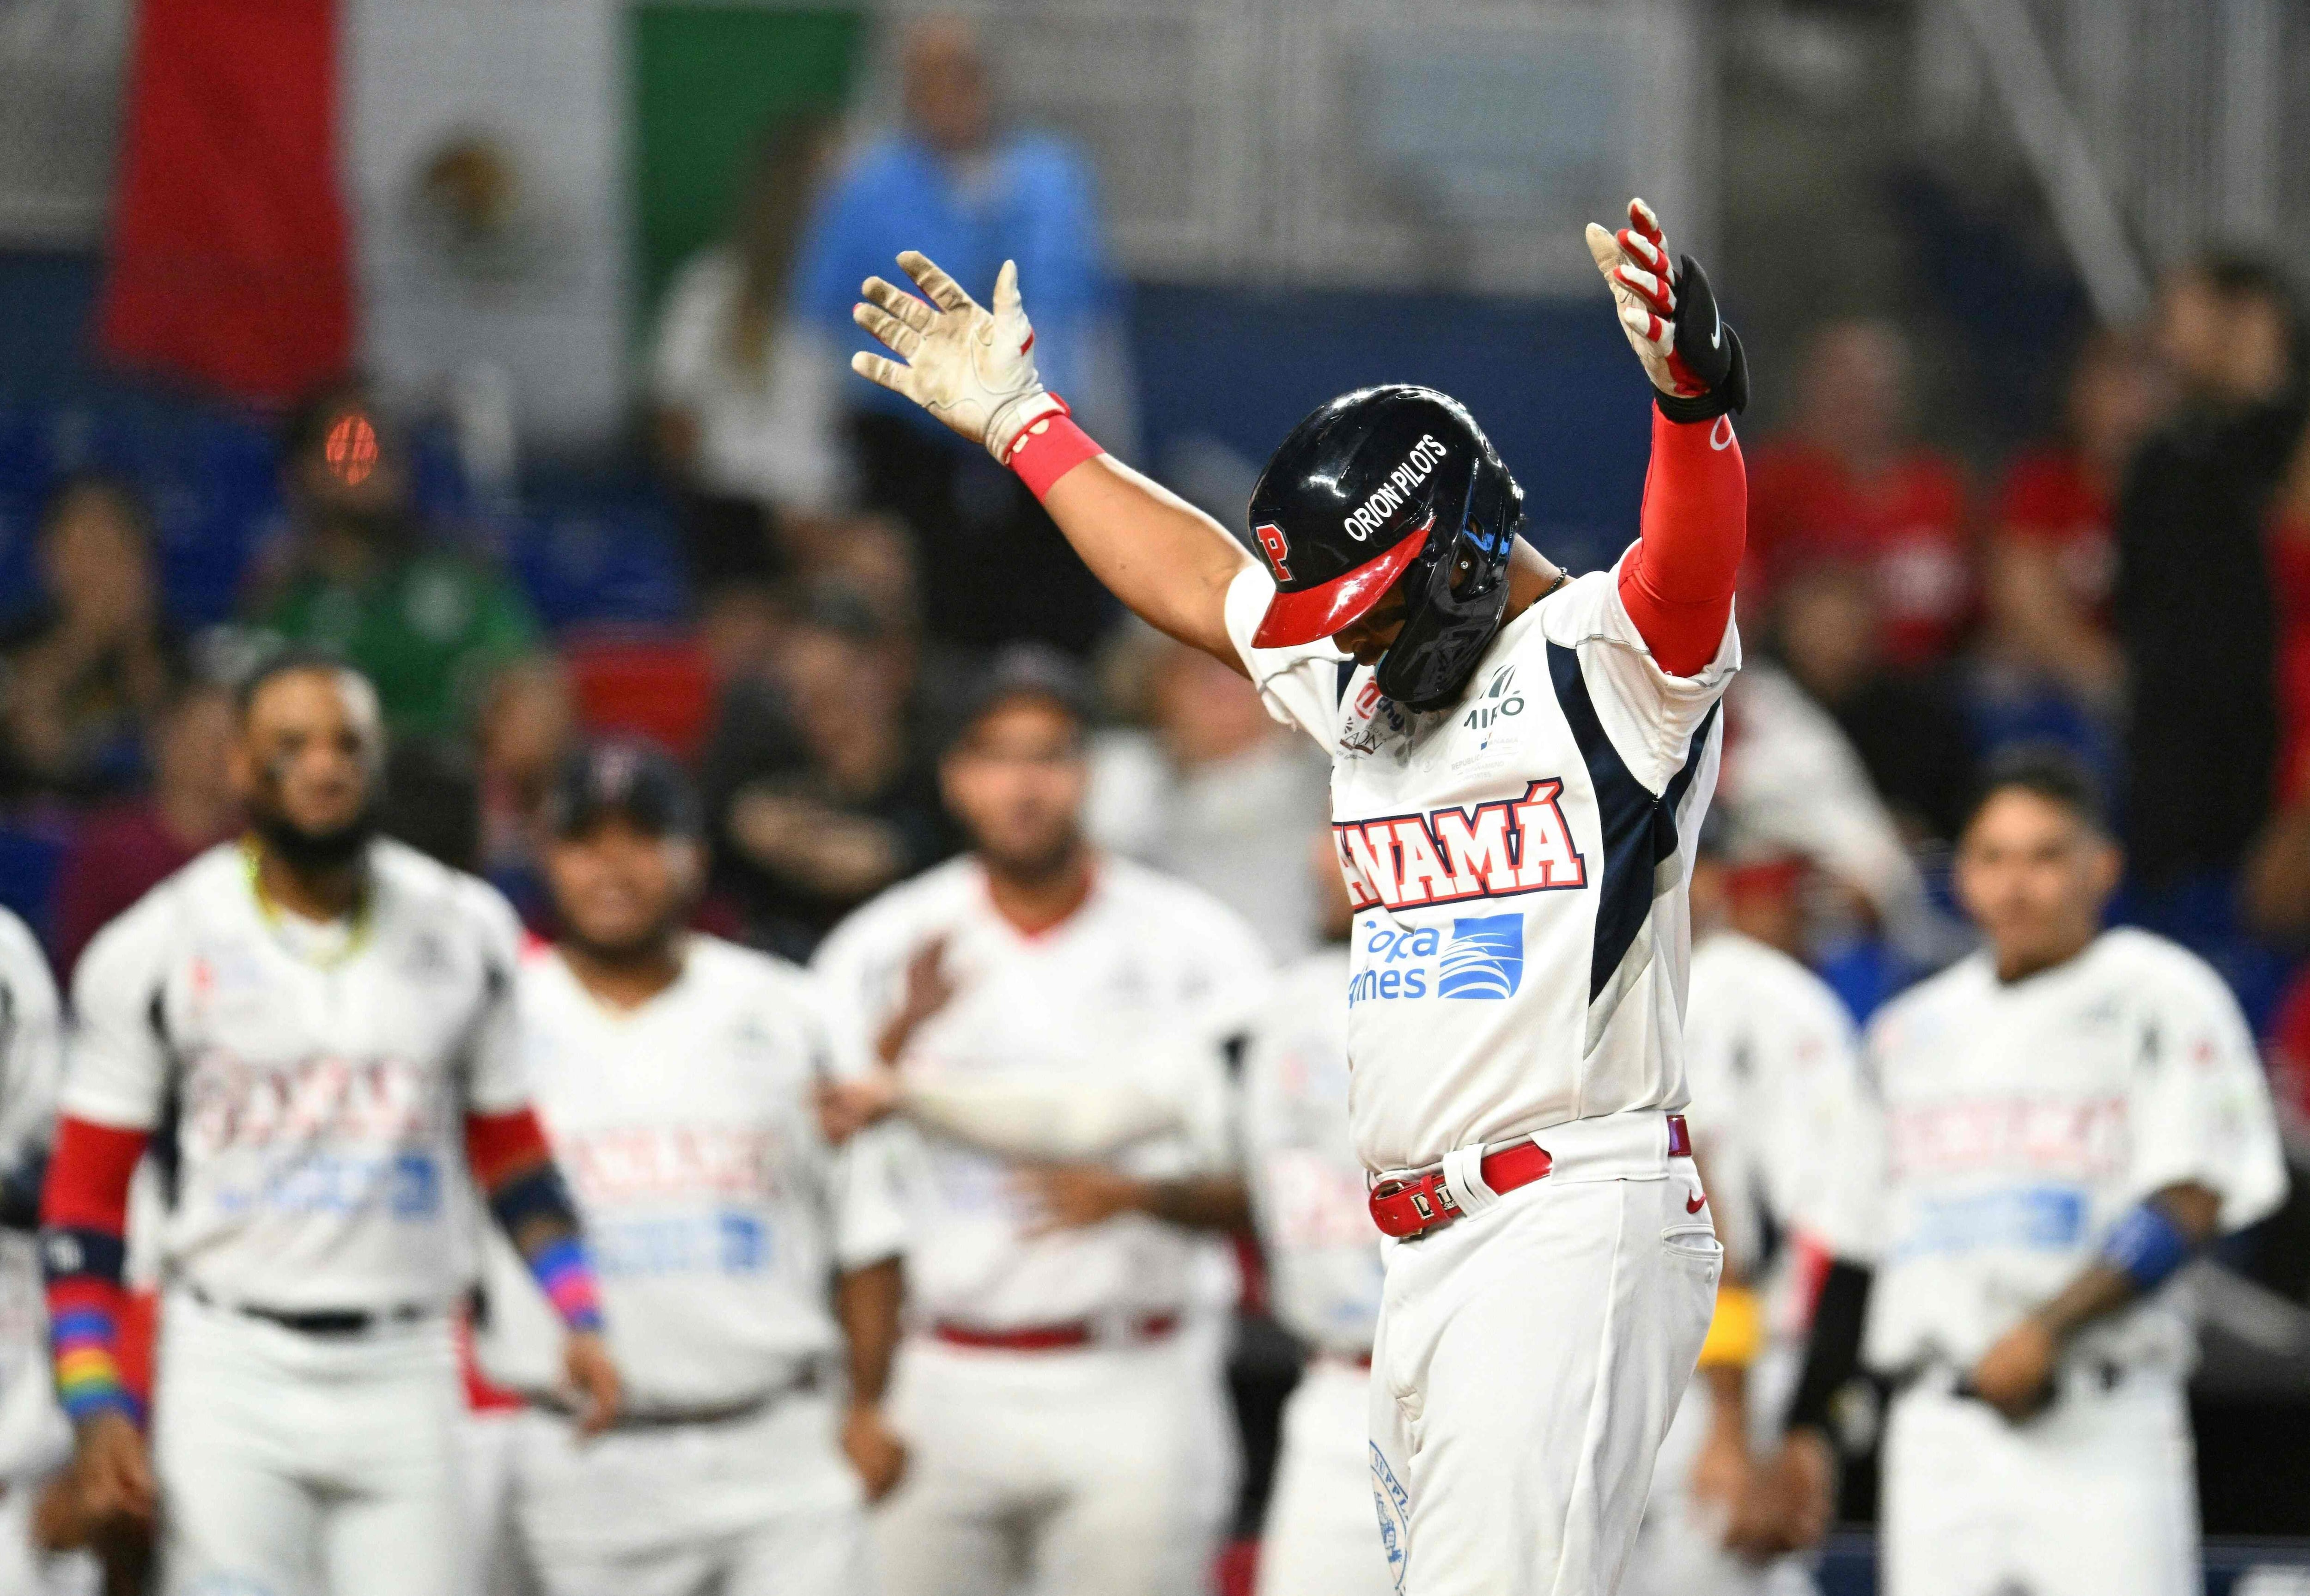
(969, 195)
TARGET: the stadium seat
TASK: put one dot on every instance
(30, 857)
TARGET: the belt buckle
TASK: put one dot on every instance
(1430, 1200)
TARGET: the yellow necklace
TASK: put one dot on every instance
(356, 939)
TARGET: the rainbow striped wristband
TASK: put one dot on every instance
(566, 1274)
(88, 1366)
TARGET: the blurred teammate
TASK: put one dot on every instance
(1772, 1060)
(750, 1274)
(1046, 1015)
(1519, 761)
(1323, 1257)
(320, 1013)
(2066, 1119)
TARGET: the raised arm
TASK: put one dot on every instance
(974, 369)
(1677, 583)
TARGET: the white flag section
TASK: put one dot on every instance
(483, 161)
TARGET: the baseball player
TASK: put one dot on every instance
(749, 1275)
(1047, 1018)
(1323, 1267)
(2059, 1123)
(1773, 1064)
(1519, 762)
(319, 1015)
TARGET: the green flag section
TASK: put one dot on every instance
(708, 82)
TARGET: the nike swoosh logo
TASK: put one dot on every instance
(1696, 1203)
(1716, 332)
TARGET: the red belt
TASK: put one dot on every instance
(1048, 1338)
(1414, 1204)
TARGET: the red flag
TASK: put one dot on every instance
(229, 258)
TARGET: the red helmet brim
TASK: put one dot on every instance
(1293, 619)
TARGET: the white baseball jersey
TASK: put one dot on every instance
(32, 1429)
(1307, 1185)
(1140, 982)
(716, 1212)
(319, 1074)
(1517, 864)
(1773, 1064)
(2020, 1121)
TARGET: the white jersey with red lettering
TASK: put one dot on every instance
(2019, 1121)
(1517, 863)
(1138, 981)
(320, 1074)
(2022, 1120)
(716, 1213)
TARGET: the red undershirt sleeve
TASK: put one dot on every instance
(84, 1227)
(1677, 583)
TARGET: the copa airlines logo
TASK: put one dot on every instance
(1451, 855)
(1485, 959)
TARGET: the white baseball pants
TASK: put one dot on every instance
(1105, 1472)
(295, 1465)
(1320, 1539)
(764, 1504)
(1529, 1360)
(2095, 1496)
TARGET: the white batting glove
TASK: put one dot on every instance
(1672, 319)
(969, 366)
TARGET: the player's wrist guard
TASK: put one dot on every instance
(1710, 368)
(1047, 447)
(2148, 1247)
(564, 1271)
(1736, 1331)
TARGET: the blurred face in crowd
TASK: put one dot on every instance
(1016, 782)
(2224, 349)
(526, 725)
(305, 766)
(96, 560)
(1828, 624)
(622, 890)
(1854, 399)
(1206, 712)
(2034, 874)
(946, 94)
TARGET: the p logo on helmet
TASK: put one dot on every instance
(1272, 544)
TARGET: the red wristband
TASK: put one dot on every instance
(1049, 449)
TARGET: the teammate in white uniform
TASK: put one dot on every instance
(1520, 761)
(35, 1437)
(1773, 1064)
(1060, 1398)
(744, 1262)
(2061, 1121)
(1323, 1269)
(324, 1012)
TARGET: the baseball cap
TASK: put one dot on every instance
(1024, 671)
(637, 780)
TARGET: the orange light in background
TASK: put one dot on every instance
(351, 449)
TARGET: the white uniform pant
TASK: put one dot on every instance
(1530, 1358)
(294, 1464)
(764, 1504)
(1104, 1472)
(2095, 1496)
(1321, 1538)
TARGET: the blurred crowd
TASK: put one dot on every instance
(2135, 585)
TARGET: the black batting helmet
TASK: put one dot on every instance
(1382, 485)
